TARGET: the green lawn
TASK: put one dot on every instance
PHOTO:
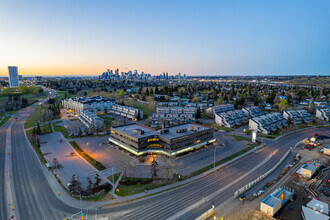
(240, 138)
(114, 177)
(61, 129)
(33, 118)
(99, 166)
(98, 197)
(218, 127)
(46, 129)
(29, 134)
(137, 188)
(4, 120)
(146, 108)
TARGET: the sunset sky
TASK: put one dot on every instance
(81, 37)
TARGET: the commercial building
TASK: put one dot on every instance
(90, 120)
(315, 209)
(323, 114)
(13, 76)
(253, 111)
(273, 202)
(298, 116)
(172, 141)
(267, 123)
(308, 169)
(172, 115)
(231, 118)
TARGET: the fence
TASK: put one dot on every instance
(249, 185)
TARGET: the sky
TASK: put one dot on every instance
(82, 37)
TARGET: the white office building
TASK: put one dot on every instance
(323, 114)
(298, 116)
(90, 120)
(231, 118)
(267, 123)
(13, 76)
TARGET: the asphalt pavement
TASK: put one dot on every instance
(36, 199)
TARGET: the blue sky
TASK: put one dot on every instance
(192, 37)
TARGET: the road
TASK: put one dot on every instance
(36, 200)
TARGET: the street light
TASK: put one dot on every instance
(214, 156)
(80, 199)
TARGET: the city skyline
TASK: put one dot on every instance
(218, 38)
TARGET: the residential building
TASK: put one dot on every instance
(273, 202)
(172, 115)
(253, 111)
(220, 108)
(90, 120)
(323, 114)
(172, 141)
(298, 116)
(126, 111)
(13, 76)
(315, 209)
(231, 118)
(95, 104)
(267, 123)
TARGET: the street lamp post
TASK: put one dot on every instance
(214, 157)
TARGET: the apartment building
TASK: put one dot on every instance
(220, 108)
(126, 111)
(101, 105)
(172, 115)
(323, 114)
(172, 141)
(253, 111)
(231, 118)
(298, 116)
(267, 123)
(90, 120)
(95, 104)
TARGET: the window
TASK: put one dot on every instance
(153, 139)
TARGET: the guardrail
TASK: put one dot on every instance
(252, 183)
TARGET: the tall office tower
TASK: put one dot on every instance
(117, 72)
(179, 76)
(13, 76)
(166, 75)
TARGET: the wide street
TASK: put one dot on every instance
(36, 199)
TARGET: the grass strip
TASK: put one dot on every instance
(99, 166)
(30, 136)
(4, 120)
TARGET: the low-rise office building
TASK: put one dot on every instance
(172, 141)
(90, 120)
(267, 123)
(323, 114)
(231, 118)
(253, 111)
(326, 150)
(298, 116)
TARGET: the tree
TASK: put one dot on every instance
(256, 101)
(98, 180)
(283, 105)
(90, 184)
(153, 168)
(290, 121)
(122, 93)
(136, 96)
(55, 162)
(198, 113)
(73, 183)
(195, 100)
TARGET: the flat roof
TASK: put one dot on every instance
(129, 130)
(311, 214)
(271, 201)
(189, 126)
(318, 206)
(310, 166)
(327, 147)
